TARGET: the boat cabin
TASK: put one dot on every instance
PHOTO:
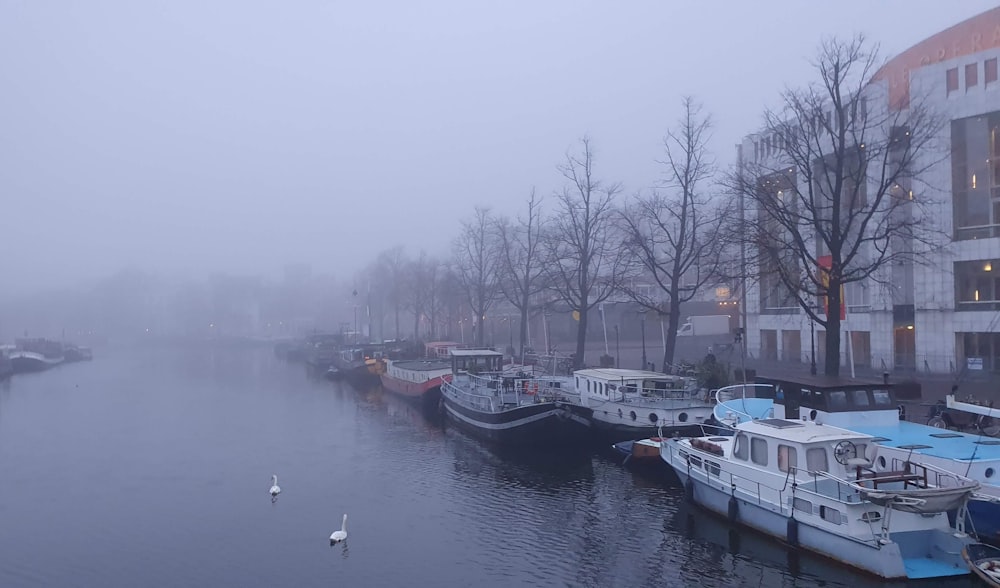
(475, 361)
(439, 349)
(839, 402)
(617, 385)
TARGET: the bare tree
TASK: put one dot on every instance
(477, 262)
(829, 190)
(419, 294)
(674, 234)
(520, 261)
(391, 269)
(583, 259)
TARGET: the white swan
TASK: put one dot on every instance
(340, 535)
(275, 489)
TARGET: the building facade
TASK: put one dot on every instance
(942, 312)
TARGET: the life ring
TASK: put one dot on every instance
(530, 388)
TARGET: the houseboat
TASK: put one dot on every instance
(508, 409)
(630, 404)
(870, 407)
(815, 486)
(34, 355)
(416, 379)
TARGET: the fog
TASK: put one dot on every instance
(184, 140)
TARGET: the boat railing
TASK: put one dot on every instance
(481, 402)
(734, 401)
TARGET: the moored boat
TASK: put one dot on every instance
(34, 355)
(6, 366)
(480, 399)
(983, 561)
(631, 404)
(814, 486)
(416, 379)
(870, 407)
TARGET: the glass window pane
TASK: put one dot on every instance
(816, 459)
(758, 451)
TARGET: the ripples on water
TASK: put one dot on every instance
(151, 468)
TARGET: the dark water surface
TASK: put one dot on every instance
(151, 468)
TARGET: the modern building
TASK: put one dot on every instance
(942, 313)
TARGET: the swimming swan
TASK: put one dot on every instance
(340, 535)
(275, 490)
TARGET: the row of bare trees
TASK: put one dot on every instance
(825, 201)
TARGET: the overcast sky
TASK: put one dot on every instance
(185, 136)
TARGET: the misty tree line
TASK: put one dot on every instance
(827, 201)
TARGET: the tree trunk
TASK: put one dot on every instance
(581, 340)
(832, 359)
(523, 329)
(674, 315)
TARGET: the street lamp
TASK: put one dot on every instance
(618, 349)
(355, 316)
(642, 325)
(812, 346)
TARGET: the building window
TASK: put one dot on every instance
(978, 351)
(990, 71)
(975, 176)
(971, 75)
(951, 76)
(977, 285)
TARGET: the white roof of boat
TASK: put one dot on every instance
(474, 353)
(620, 373)
(798, 431)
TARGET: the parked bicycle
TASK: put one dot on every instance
(943, 417)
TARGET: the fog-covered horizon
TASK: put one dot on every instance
(185, 140)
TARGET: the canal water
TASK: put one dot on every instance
(152, 468)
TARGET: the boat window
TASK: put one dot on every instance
(829, 514)
(989, 472)
(803, 505)
(694, 460)
(712, 468)
(758, 451)
(787, 458)
(837, 400)
(816, 459)
(741, 449)
(882, 398)
(861, 450)
(871, 516)
(588, 385)
(578, 381)
(860, 398)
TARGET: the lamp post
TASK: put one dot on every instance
(812, 346)
(355, 316)
(642, 326)
(510, 327)
(618, 349)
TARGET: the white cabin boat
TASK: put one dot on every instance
(633, 404)
(814, 486)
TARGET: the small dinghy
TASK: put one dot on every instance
(984, 561)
